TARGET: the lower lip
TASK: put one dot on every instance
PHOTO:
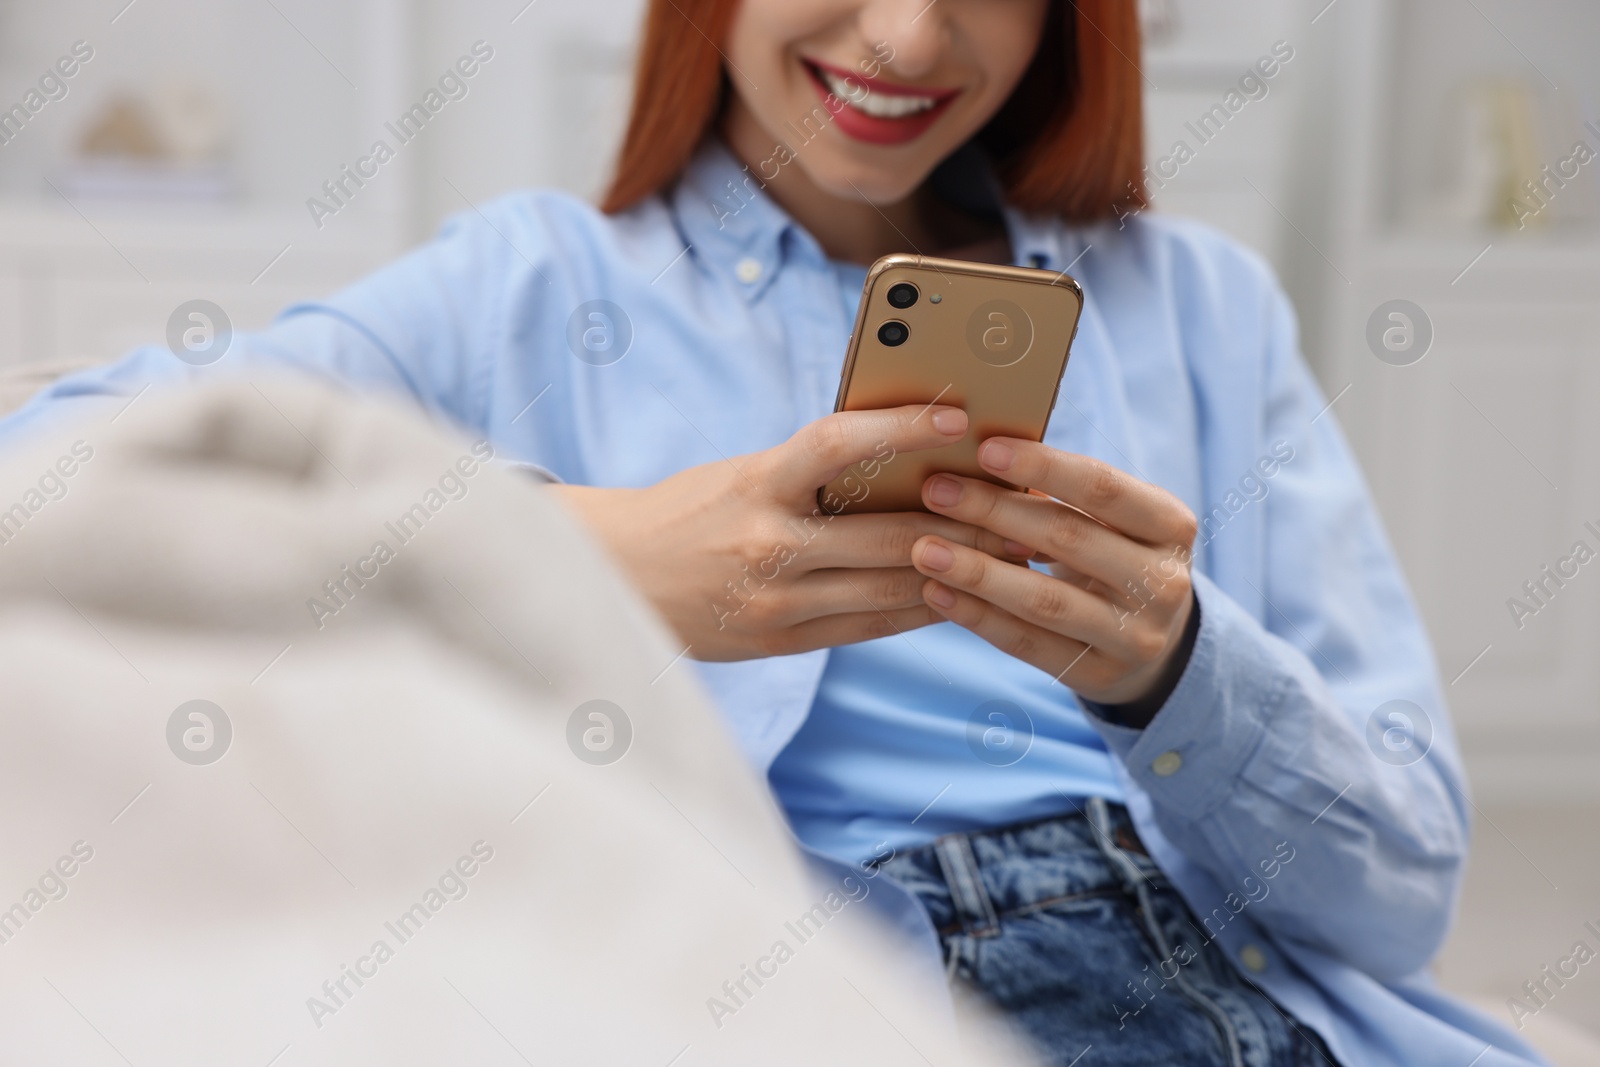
(861, 126)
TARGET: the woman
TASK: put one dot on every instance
(1136, 788)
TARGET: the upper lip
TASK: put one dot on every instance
(878, 85)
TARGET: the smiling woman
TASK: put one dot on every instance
(1074, 730)
(1053, 97)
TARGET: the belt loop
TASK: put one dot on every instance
(973, 907)
(1099, 815)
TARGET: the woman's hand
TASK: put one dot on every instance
(741, 560)
(1113, 615)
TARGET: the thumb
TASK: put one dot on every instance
(824, 449)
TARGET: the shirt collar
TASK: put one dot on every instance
(731, 224)
(737, 230)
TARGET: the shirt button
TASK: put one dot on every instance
(1167, 764)
(1253, 958)
(748, 270)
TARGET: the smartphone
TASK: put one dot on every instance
(991, 340)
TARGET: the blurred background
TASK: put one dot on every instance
(1435, 152)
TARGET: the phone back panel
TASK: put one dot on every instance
(991, 340)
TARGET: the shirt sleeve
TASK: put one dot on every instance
(423, 328)
(1313, 717)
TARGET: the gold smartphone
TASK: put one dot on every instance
(991, 340)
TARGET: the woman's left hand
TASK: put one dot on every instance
(1112, 616)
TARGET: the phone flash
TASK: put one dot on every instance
(935, 298)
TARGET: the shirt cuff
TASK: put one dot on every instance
(1191, 754)
(1137, 714)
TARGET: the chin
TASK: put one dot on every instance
(880, 184)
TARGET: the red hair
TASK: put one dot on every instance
(1069, 141)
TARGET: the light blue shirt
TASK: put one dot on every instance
(1185, 373)
(935, 731)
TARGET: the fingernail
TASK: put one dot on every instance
(951, 421)
(996, 456)
(1014, 548)
(946, 492)
(936, 557)
(940, 597)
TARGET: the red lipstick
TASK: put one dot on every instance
(877, 129)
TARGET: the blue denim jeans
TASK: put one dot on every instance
(1071, 930)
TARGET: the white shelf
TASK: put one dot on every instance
(39, 225)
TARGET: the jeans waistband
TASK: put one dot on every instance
(968, 880)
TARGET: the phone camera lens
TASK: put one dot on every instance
(902, 295)
(893, 333)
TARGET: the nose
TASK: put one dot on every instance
(916, 32)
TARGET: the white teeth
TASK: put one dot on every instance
(878, 105)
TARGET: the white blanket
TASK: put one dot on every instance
(394, 843)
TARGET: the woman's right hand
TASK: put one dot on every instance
(743, 562)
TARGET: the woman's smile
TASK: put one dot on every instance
(877, 111)
(867, 99)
